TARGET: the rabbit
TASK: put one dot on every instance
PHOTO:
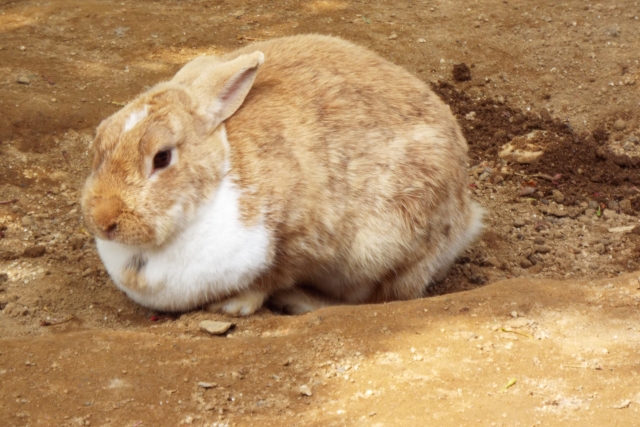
(298, 172)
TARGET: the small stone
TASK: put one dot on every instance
(213, 327)
(77, 242)
(22, 48)
(609, 214)
(613, 205)
(622, 405)
(599, 248)
(305, 390)
(536, 269)
(493, 261)
(626, 206)
(514, 314)
(88, 272)
(538, 240)
(421, 40)
(620, 125)
(35, 251)
(23, 80)
(4, 277)
(393, 36)
(525, 263)
(27, 221)
(558, 197)
(542, 249)
(518, 222)
(207, 385)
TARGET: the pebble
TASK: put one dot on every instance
(593, 204)
(27, 221)
(558, 197)
(542, 249)
(23, 80)
(518, 222)
(4, 277)
(626, 206)
(599, 248)
(493, 261)
(35, 251)
(613, 205)
(547, 79)
(393, 36)
(619, 125)
(525, 263)
(305, 390)
(77, 242)
(207, 385)
(213, 327)
(88, 272)
(538, 240)
(421, 40)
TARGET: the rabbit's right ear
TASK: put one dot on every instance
(221, 89)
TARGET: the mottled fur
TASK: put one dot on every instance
(354, 168)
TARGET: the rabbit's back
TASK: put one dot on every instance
(357, 166)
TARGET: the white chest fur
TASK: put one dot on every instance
(215, 256)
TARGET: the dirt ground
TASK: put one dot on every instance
(537, 324)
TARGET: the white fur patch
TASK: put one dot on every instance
(213, 257)
(135, 118)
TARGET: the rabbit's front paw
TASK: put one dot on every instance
(243, 304)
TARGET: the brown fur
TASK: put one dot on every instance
(353, 164)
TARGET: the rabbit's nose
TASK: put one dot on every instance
(106, 214)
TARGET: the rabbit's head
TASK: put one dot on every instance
(163, 154)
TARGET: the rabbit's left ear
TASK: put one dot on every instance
(221, 89)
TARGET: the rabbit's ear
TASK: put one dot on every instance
(221, 89)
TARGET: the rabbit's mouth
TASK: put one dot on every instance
(109, 220)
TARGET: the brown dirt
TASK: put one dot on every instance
(74, 351)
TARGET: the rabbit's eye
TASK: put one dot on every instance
(162, 159)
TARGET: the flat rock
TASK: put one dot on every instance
(553, 209)
(542, 249)
(524, 149)
(207, 385)
(624, 229)
(214, 328)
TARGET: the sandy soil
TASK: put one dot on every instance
(537, 324)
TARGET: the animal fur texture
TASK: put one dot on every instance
(303, 170)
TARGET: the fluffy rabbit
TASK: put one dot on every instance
(303, 170)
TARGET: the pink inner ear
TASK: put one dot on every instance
(235, 85)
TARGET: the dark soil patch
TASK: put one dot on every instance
(461, 73)
(589, 171)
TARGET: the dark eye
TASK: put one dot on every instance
(162, 159)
